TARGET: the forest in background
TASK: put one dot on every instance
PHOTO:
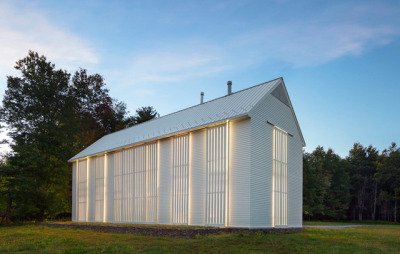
(52, 115)
(363, 186)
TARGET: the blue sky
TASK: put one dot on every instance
(340, 60)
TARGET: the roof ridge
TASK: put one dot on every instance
(192, 107)
(195, 115)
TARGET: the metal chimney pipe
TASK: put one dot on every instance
(201, 97)
(229, 87)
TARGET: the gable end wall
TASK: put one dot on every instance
(272, 110)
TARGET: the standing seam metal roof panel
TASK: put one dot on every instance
(224, 108)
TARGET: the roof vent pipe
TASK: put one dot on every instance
(201, 97)
(229, 87)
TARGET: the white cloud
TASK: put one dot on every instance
(25, 27)
(174, 64)
(315, 40)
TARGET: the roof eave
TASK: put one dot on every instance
(246, 115)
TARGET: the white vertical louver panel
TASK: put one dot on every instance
(99, 188)
(92, 189)
(91, 202)
(197, 178)
(165, 189)
(74, 190)
(128, 177)
(118, 186)
(109, 202)
(280, 178)
(82, 190)
(216, 157)
(140, 184)
(239, 173)
(152, 183)
(180, 191)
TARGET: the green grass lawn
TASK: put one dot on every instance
(337, 223)
(30, 238)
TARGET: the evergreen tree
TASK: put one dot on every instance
(388, 177)
(144, 114)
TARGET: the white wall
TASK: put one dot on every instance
(91, 188)
(165, 188)
(129, 180)
(109, 181)
(272, 110)
(82, 188)
(197, 182)
(239, 173)
(74, 189)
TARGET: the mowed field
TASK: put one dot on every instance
(29, 238)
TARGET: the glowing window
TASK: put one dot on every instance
(99, 187)
(280, 177)
(140, 184)
(82, 190)
(152, 176)
(216, 152)
(180, 187)
(118, 172)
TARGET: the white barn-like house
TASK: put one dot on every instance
(235, 161)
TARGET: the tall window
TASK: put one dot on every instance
(82, 190)
(216, 152)
(180, 187)
(127, 183)
(152, 176)
(118, 172)
(140, 184)
(280, 177)
(99, 187)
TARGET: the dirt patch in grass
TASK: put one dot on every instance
(164, 230)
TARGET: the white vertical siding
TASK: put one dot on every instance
(99, 188)
(197, 175)
(279, 183)
(239, 173)
(180, 189)
(189, 179)
(272, 110)
(118, 186)
(216, 175)
(74, 190)
(295, 182)
(165, 191)
(128, 185)
(91, 202)
(152, 183)
(82, 190)
(140, 184)
(109, 205)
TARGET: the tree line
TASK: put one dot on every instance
(363, 186)
(52, 115)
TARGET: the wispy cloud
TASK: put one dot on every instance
(25, 27)
(174, 63)
(317, 39)
(314, 38)
(315, 44)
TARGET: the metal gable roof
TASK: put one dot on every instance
(224, 108)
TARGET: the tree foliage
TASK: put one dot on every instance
(365, 185)
(144, 114)
(51, 117)
(326, 185)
